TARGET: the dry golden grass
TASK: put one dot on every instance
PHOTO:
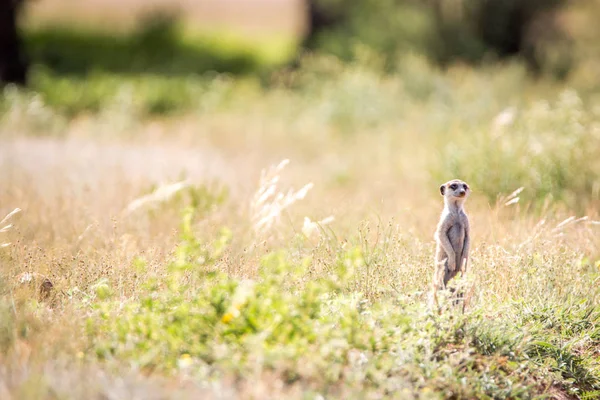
(74, 192)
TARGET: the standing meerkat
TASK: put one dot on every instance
(452, 235)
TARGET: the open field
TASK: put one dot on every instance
(179, 271)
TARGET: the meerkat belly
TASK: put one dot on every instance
(456, 234)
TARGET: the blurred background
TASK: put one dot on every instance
(330, 75)
(40, 38)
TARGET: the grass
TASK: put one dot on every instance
(179, 270)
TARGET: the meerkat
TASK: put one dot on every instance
(453, 236)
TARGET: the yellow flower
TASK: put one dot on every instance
(227, 318)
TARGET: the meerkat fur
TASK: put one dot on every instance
(452, 236)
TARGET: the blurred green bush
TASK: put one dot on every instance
(551, 149)
(445, 30)
(158, 46)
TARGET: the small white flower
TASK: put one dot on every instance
(160, 195)
(310, 227)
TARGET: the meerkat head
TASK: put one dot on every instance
(455, 191)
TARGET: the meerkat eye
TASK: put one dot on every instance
(465, 187)
(453, 186)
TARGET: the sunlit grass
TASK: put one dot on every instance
(176, 267)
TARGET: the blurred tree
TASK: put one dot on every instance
(507, 26)
(445, 30)
(389, 27)
(322, 15)
(13, 68)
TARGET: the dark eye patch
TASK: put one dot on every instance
(465, 187)
(453, 186)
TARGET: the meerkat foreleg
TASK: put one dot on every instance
(447, 246)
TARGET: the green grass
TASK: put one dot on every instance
(325, 335)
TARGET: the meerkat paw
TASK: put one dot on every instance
(451, 266)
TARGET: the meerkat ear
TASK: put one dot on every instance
(443, 189)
